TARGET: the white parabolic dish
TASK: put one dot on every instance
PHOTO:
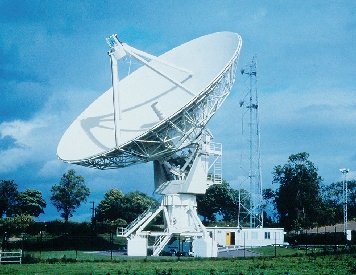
(90, 139)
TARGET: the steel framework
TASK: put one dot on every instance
(175, 133)
(250, 191)
(344, 171)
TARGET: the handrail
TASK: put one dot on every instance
(125, 231)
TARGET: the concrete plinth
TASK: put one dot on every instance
(137, 246)
(205, 248)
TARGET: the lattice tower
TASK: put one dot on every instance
(250, 210)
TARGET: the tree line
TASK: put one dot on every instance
(20, 208)
(299, 200)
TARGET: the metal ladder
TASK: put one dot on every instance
(160, 244)
(216, 152)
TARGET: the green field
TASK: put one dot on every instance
(65, 262)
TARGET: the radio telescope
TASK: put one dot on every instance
(159, 113)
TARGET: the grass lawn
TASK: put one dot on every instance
(311, 265)
(283, 251)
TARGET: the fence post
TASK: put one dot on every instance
(41, 239)
(275, 244)
(111, 243)
(306, 244)
(23, 245)
(335, 240)
(244, 245)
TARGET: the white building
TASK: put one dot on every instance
(246, 237)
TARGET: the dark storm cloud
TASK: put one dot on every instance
(22, 90)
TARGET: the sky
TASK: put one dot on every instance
(54, 63)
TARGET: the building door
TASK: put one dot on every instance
(230, 238)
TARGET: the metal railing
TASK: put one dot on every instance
(11, 257)
(124, 232)
(215, 167)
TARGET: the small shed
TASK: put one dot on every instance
(246, 237)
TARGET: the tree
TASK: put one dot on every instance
(110, 208)
(333, 201)
(18, 223)
(8, 195)
(122, 208)
(29, 202)
(298, 200)
(269, 213)
(218, 199)
(351, 186)
(69, 194)
(135, 203)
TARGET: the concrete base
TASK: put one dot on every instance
(137, 246)
(205, 248)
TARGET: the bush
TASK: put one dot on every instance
(66, 242)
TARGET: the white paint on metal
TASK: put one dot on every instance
(90, 140)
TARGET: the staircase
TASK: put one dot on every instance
(160, 244)
(124, 232)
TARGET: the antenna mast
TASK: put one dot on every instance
(250, 192)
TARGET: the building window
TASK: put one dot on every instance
(267, 235)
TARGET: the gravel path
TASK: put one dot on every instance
(237, 253)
